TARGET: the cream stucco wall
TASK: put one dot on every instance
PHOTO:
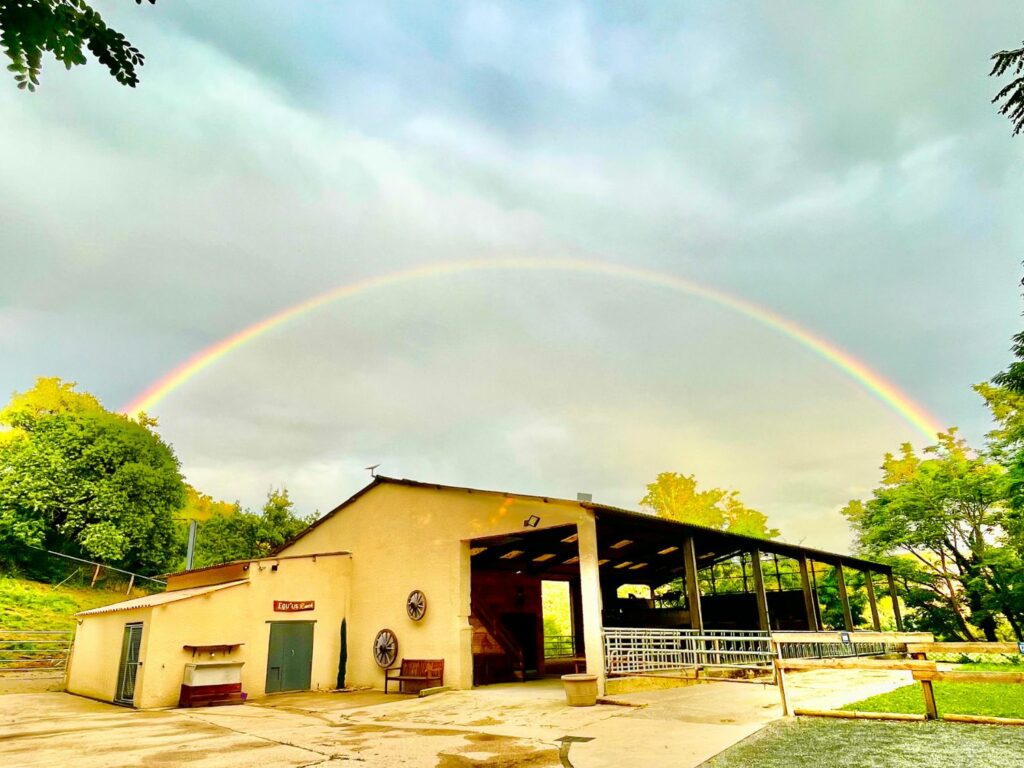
(93, 667)
(406, 537)
(237, 614)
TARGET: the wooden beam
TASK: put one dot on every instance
(759, 593)
(844, 598)
(895, 602)
(692, 585)
(983, 720)
(906, 665)
(925, 647)
(875, 623)
(958, 676)
(809, 607)
(853, 715)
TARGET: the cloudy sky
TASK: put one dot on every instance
(837, 164)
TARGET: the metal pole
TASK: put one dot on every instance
(844, 598)
(871, 600)
(805, 584)
(190, 555)
(761, 596)
(692, 585)
(895, 602)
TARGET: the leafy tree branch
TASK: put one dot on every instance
(65, 28)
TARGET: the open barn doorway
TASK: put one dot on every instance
(525, 605)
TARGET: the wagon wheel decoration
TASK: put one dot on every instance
(385, 648)
(416, 605)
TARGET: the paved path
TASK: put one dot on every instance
(496, 726)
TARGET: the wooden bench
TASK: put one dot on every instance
(415, 674)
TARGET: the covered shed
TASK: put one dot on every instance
(456, 575)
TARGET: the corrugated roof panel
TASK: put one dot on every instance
(161, 598)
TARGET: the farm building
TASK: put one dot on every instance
(412, 570)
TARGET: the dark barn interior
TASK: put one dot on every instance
(653, 573)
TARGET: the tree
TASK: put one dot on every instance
(676, 497)
(1013, 92)
(944, 512)
(241, 535)
(29, 28)
(200, 507)
(832, 606)
(79, 479)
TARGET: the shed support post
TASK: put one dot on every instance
(844, 598)
(809, 607)
(876, 624)
(590, 588)
(759, 593)
(895, 602)
(692, 585)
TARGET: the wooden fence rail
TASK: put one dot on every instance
(922, 670)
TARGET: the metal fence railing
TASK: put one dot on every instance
(642, 650)
(558, 647)
(34, 655)
(836, 650)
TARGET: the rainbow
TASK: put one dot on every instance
(882, 389)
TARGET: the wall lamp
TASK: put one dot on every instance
(531, 521)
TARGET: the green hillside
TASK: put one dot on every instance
(34, 605)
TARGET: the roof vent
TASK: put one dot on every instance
(584, 497)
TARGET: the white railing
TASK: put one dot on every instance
(34, 655)
(640, 650)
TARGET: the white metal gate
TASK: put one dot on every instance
(641, 650)
(34, 655)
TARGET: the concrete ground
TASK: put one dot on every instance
(495, 726)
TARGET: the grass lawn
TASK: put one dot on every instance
(816, 742)
(34, 605)
(994, 699)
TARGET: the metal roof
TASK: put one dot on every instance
(160, 598)
(765, 545)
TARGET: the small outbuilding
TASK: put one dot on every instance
(454, 576)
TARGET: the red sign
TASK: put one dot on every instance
(291, 606)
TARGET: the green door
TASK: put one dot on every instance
(290, 657)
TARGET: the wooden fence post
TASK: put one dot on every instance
(931, 712)
(780, 679)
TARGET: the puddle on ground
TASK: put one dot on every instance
(486, 721)
(498, 757)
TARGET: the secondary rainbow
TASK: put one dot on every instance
(882, 389)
